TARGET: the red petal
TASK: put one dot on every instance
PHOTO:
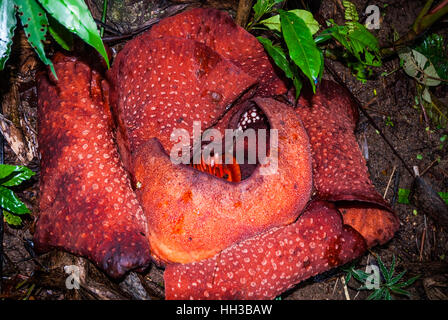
(266, 265)
(377, 226)
(81, 172)
(217, 30)
(339, 169)
(164, 84)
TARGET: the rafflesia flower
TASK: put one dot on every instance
(111, 192)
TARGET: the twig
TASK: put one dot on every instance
(335, 285)
(422, 243)
(396, 187)
(429, 167)
(390, 180)
(103, 17)
(242, 15)
(364, 112)
(347, 295)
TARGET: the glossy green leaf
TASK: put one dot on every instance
(298, 86)
(7, 26)
(358, 41)
(10, 202)
(261, 7)
(279, 57)
(35, 23)
(76, 17)
(324, 36)
(60, 33)
(11, 175)
(12, 219)
(277, 54)
(302, 48)
(273, 22)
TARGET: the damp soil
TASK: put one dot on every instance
(420, 246)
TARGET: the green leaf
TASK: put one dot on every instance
(35, 23)
(298, 86)
(376, 295)
(433, 47)
(351, 14)
(76, 17)
(419, 67)
(383, 269)
(387, 295)
(403, 196)
(14, 175)
(400, 291)
(273, 22)
(392, 268)
(324, 36)
(364, 45)
(12, 219)
(302, 48)
(360, 275)
(7, 26)
(444, 196)
(394, 280)
(10, 202)
(277, 54)
(60, 34)
(359, 42)
(262, 7)
(407, 283)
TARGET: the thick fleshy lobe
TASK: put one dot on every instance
(87, 205)
(196, 215)
(339, 169)
(266, 265)
(217, 30)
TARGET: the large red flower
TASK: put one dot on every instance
(110, 192)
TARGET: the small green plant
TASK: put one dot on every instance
(61, 18)
(12, 206)
(299, 49)
(388, 283)
(389, 122)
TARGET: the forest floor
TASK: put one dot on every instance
(420, 246)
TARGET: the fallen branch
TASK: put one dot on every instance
(242, 15)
